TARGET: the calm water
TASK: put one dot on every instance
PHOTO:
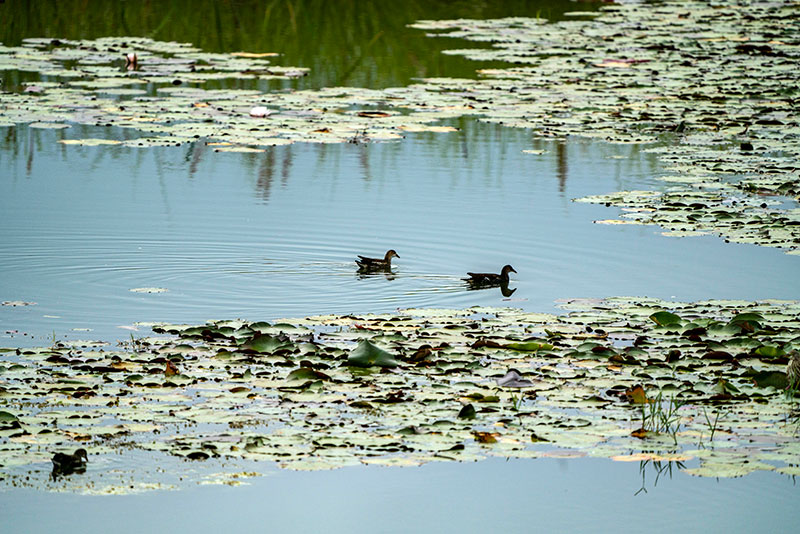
(274, 235)
(544, 495)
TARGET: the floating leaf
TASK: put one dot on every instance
(366, 355)
(775, 379)
(486, 437)
(7, 417)
(665, 318)
(306, 373)
(770, 351)
(467, 412)
(149, 290)
(529, 346)
(512, 379)
(637, 395)
(265, 343)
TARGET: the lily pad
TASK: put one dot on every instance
(367, 355)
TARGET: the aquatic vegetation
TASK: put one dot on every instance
(164, 100)
(418, 386)
(710, 87)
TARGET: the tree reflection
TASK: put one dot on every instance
(562, 167)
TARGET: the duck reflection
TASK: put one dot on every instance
(375, 272)
(387, 273)
(504, 289)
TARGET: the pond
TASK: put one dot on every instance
(93, 234)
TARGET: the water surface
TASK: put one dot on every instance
(545, 495)
(274, 235)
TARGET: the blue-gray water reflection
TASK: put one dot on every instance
(546, 495)
(275, 234)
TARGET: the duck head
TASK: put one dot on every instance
(507, 269)
(391, 254)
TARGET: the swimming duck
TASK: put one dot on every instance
(485, 279)
(66, 464)
(367, 264)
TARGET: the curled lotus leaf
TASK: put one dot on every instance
(513, 379)
(265, 343)
(368, 355)
(665, 318)
(307, 373)
(8, 417)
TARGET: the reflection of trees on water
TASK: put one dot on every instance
(369, 46)
(347, 42)
(194, 156)
(561, 165)
(268, 166)
(363, 163)
(489, 148)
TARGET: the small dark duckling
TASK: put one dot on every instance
(375, 264)
(487, 279)
(66, 464)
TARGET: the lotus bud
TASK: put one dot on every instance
(131, 61)
(260, 112)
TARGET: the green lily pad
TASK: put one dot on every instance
(367, 355)
(529, 346)
(665, 318)
(265, 343)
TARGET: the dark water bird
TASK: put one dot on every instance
(490, 279)
(66, 464)
(377, 264)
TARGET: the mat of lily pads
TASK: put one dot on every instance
(631, 379)
(710, 86)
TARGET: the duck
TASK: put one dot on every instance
(66, 464)
(486, 279)
(368, 264)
